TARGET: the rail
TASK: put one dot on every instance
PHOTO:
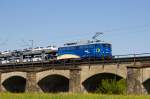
(56, 63)
(132, 55)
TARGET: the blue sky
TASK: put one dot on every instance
(125, 23)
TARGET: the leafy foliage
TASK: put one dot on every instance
(111, 86)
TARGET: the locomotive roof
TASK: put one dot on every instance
(85, 43)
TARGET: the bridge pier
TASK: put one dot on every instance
(31, 85)
(134, 80)
(1, 89)
(74, 82)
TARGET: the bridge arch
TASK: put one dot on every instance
(93, 82)
(5, 76)
(14, 81)
(145, 74)
(145, 79)
(50, 78)
(54, 83)
(43, 74)
(112, 69)
(146, 86)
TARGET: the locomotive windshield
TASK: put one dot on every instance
(107, 45)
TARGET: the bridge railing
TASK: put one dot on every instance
(53, 63)
(132, 55)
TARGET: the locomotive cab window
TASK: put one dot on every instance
(106, 45)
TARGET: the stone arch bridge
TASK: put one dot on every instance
(85, 77)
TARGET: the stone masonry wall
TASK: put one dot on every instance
(134, 85)
(74, 82)
(31, 85)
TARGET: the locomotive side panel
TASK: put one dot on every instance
(85, 51)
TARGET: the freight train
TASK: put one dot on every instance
(90, 49)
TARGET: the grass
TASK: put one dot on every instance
(68, 96)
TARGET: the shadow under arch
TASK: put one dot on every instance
(15, 84)
(54, 83)
(92, 83)
(146, 85)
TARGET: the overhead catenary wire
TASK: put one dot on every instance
(127, 28)
(4, 42)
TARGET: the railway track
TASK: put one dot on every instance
(72, 63)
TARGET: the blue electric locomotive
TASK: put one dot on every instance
(96, 50)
